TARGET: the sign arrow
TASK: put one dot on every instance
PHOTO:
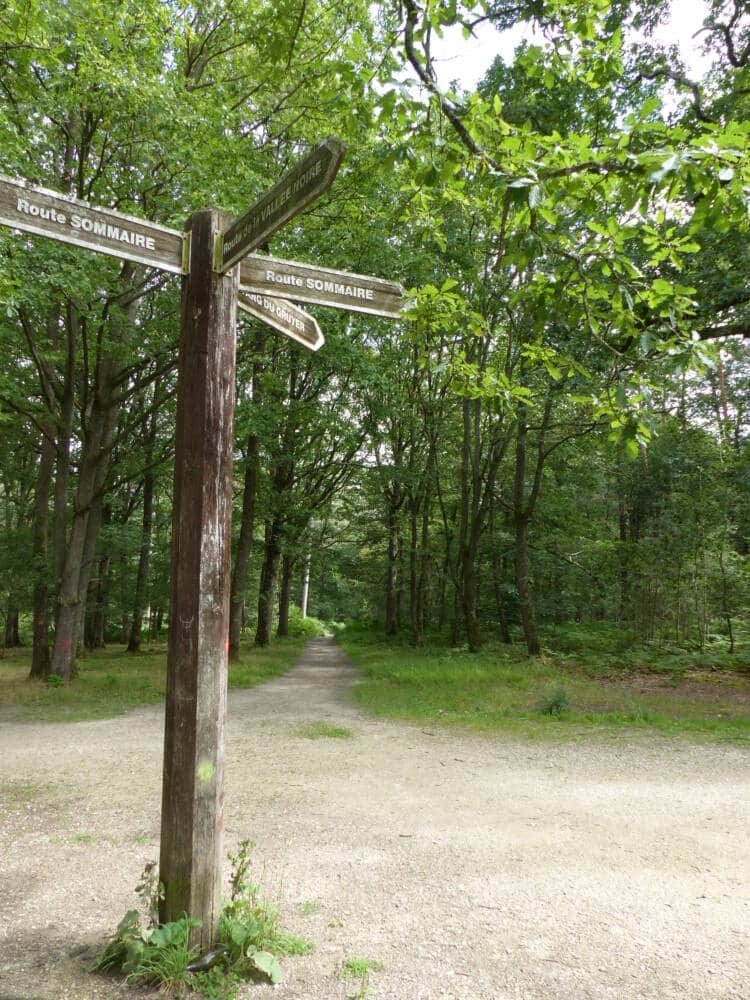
(322, 286)
(48, 213)
(283, 316)
(308, 179)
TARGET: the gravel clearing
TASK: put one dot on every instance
(471, 867)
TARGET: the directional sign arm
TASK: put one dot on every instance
(283, 316)
(321, 286)
(299, 187)
(49, 213)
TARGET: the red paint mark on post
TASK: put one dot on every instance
(226, 645)
(65, 645)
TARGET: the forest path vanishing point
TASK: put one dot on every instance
(472, 868)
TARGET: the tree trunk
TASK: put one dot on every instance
(12, 638)
(502, 612)
(392, 582)
(157, 616)
(525, 601)
(413, 564)
(423, 577)
(306, 585)
(470, 522)
(244, 548)
(99, 617)
(144, 559)
(40, 655)
(93, 530)
(523, 510)
(62, 472)
(284, 596)
(268, 579)
(93, 468)
(469, 599)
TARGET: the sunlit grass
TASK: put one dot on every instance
(323, 731)
(501, 689)
(112, 681)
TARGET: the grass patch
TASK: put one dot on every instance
(111, 682)
(501, 689)
(357, 968)
(360, 969)
(17, 793)
(309, 907)
(323, 731)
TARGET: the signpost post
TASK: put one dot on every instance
(190, 862)
(192, 791)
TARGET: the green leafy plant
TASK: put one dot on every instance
(166, 956)
(217, 984)
(355, 968)
(249, 925)
(250, 940)
(554, 702)
(306, 628)
(360, 968)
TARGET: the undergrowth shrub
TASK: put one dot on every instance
(554, 702)
(250, 941)
(305, 628)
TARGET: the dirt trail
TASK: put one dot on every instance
(473, 868)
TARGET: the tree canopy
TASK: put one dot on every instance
(555, 431)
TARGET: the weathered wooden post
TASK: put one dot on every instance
(192, 796)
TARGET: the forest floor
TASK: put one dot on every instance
(471, 866)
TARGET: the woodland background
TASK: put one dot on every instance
(556, 437)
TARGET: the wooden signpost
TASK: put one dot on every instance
(213, 287)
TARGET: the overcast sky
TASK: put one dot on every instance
(468, 61)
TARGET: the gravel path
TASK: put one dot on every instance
(472, 868)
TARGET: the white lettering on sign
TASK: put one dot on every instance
(276, 309)
(284, 279)
(81, 223)
(319, 285)
(273, 206)
(305, 182)
(337, 288)
(29, 208)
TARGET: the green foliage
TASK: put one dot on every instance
(250, 940)
(217, 984)
(150, 954)
(165, 956)
(304, 628)
(355, 968)
(570, 233)
(360, 968)
(554, 702)
(249, 925)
